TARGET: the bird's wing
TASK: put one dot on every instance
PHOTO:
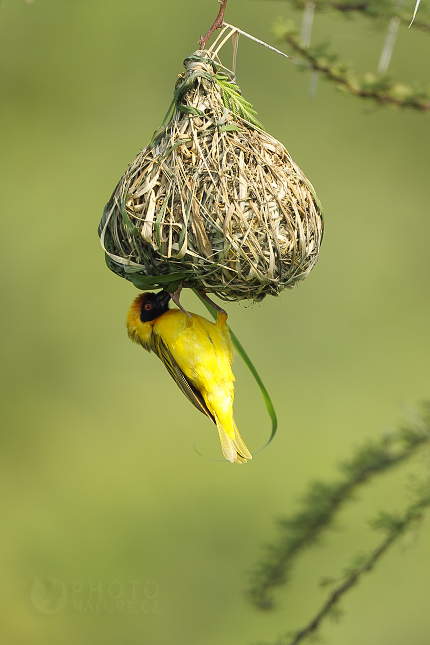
(160, 348)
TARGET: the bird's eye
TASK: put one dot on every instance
(148, 306)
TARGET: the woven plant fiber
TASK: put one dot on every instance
(214, 201)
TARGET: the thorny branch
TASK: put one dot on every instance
(335, 596)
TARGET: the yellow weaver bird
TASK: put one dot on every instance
(197, 354)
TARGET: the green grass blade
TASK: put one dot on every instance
(126, 219)
(249, 364)
(187, 109)
(151, 281)
(230, 127)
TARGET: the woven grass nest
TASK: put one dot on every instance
(213, 201)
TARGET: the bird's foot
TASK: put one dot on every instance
(204, 295)
(175, 297)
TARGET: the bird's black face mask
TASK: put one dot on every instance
(154, 305)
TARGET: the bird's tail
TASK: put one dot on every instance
(233, 449)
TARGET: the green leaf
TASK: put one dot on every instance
(172, 286)
(127, 221)
(228, 128)
(200, 59)
(172, 148)
(187, 109)
(234, 101)
(151, 281)
(103, 220)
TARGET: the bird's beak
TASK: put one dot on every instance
(163, 298)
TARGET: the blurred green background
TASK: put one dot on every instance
(103, 495)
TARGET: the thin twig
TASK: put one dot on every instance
(336, 595)
(217, 25)
(321, 504)
(398, 527)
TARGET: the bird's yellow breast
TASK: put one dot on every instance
(201, 348)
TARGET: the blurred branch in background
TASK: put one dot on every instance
(323, 500)
(377, 87)
(371, 8)
(394, 526)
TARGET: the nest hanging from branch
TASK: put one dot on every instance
(213, 201)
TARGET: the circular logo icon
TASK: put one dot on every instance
(48, 595)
